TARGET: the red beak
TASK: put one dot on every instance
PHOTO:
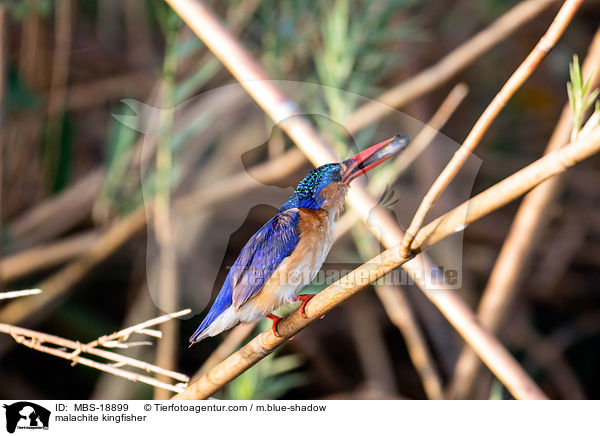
(368, 159)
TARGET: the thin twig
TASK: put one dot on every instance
(231, 342)
(508, 189)
(252, 77)
(37, 339)
(398, 310)
(58, 284)
(17, 294)
(47, 255)
(528, 226)
(425, 137)
(497, 358)
(447, 67)
(124, 334)
(556, 29)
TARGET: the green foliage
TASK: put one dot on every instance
(580, 96)
(270, 378)
(497, 391)
(19, 9)
(18, 95)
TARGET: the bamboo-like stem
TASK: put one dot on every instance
(35, 340)
(58, 284)
(500, 361)
(447, 67)
(166, 350)
(47, 255)
(398, 311)
(252, 77)
(17, 294)
(134, 223)
(389, 174)
(508, 189)
(556, 29)
(60, 73)
(515, 255)
(233, 340)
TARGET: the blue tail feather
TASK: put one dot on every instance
(220, 305)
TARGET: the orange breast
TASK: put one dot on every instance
(317, 231)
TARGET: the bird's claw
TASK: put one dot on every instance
(275, 320)
(304, 298)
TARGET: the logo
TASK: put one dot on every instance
(26, 415)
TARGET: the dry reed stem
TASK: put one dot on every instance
(508, 189)
(17, 294)
(556, 29)
(58, 284)
(514, 378)
(48, 219)
(421, 141)
(525, 232)
(398, 311)
(168, 294)
(123, 335)
(457, 60)
(43, 256)
(35, 340)
(88, 94)
(372, 354)
(393, 299)
(252, 77)
(233, 340)
(463, 55)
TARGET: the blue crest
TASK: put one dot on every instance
(308, 190)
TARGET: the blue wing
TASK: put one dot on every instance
(259, 258)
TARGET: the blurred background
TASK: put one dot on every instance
(84, 148)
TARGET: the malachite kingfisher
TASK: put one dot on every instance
(283, 256)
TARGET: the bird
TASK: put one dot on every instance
(285, 254)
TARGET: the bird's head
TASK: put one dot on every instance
(326, 185)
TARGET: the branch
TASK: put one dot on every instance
(398, 310)
(447, 67)
(526, 230)
(252, 77)
(34, 339)
(509, 189)
(17, 294)
(556, 29)
(123, 335)
(511, 375)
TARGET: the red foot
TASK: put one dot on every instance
(275, 320)
(304, 298)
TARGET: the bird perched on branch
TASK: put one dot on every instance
(288, 251)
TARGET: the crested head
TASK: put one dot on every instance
(311, 192)
(325, 187)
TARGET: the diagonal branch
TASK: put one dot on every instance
(447, 67)
(511, 375)
(556, 29)
(37, 340)
(252, 77)
(17, 294)
(526, 230)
